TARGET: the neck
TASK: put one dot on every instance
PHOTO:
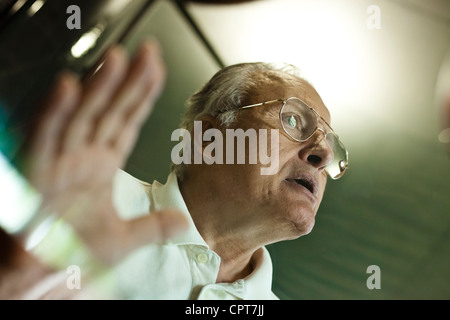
(225, 227)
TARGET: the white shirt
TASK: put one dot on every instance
(183, 267)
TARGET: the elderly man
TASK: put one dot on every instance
(232, 210)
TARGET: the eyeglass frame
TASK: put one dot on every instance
(318, 117)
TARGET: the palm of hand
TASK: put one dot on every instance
(85, 135)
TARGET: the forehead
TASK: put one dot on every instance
(280, 85)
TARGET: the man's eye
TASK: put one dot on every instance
(291, 121)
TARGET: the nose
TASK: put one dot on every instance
(316, 151)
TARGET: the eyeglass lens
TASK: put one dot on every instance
(300, 122)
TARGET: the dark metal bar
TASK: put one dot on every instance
(182, 7)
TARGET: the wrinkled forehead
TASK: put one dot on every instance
(280, 85)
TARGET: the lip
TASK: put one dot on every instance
(304, 183)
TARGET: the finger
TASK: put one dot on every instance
(126, 139)
(127, 130)
(131, 94)
(59, 107)
(97, 93)
(155, 85)
(154, 228)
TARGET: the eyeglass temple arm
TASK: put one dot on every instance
(325, 121)
(262, 103)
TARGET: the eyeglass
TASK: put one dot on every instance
(301, 122)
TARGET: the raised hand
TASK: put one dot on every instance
(86, 133)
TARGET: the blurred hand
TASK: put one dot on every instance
(86, 134)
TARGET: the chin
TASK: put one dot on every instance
(302, 224)
(301, 229)
(306, 228)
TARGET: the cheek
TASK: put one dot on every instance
(286, 144)
(246, 180)
(288, 149)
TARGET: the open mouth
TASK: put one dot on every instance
(307, 182)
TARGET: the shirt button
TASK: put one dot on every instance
(202, 258)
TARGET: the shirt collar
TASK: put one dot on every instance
(169, 194)
(259, 282)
